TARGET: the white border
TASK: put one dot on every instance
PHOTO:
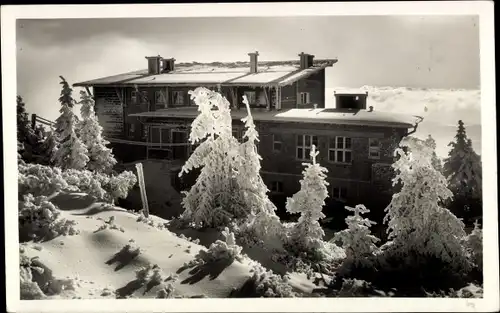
(484, 9)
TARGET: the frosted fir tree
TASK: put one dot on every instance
(436, 161)
(357, 239)
(309, 201)
(49, 148)
(28, 137)
(215, 199)
(474, 244)
(72, 152)
(463, 171)
(417, 223)
(101, 158)
(24, 130)
(262, 220)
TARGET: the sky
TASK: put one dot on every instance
(401, 51)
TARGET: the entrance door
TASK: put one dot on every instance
(179, 137)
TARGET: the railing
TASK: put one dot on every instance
(35, 118)
(148, 144)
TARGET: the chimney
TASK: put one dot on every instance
(253, 61)
(306, 60)
(168, 65)
(154, 65)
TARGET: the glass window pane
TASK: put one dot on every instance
(315, 140)
(331, 155)
(300, 140)
(348, 157)
(308, 141)
(339, 157)
(340, 142)
(348, 143)
(299, 153)
(307, 154)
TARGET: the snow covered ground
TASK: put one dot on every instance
(92, 264)
(444, 108)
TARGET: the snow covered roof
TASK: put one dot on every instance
(225, 73)
(350, 91)
(317, 116)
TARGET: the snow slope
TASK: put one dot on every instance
(91, 260)
(92, 265)
(444, 108)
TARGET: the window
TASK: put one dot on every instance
(277, 142)
(276, 187)
(374, 148)
(251, 96)
(304, 98)
(178, 98)
(340, 150)
(339, 193)
(159, 97)
(304, 143)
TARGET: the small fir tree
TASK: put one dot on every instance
(215, 199)
(357, 239)
(262, 219)
(49, 148)
(24, 130)
(417, 223)
(101, 158)
(436, 161)
(474, 244)
(72, 152)
(30, 139)
(309, 202)
(463, 171)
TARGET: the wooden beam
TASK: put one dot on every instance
(167, 97)
(276, 104)
(119, 94)
(233, 96)
(297, 96)
(279, 98)
(33, 121)
(268, 103)
(88, 91)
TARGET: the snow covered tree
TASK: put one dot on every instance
(416, 221)
(463, 171)
(262, 220)
(436, 161)
(24, 130)
(30, 139)
(309, 202)
(49, 148)
(101, 158)
(357, 239)
(72, 152)
(215, 199)
(474, 244)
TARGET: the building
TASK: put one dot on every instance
(147, 114)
